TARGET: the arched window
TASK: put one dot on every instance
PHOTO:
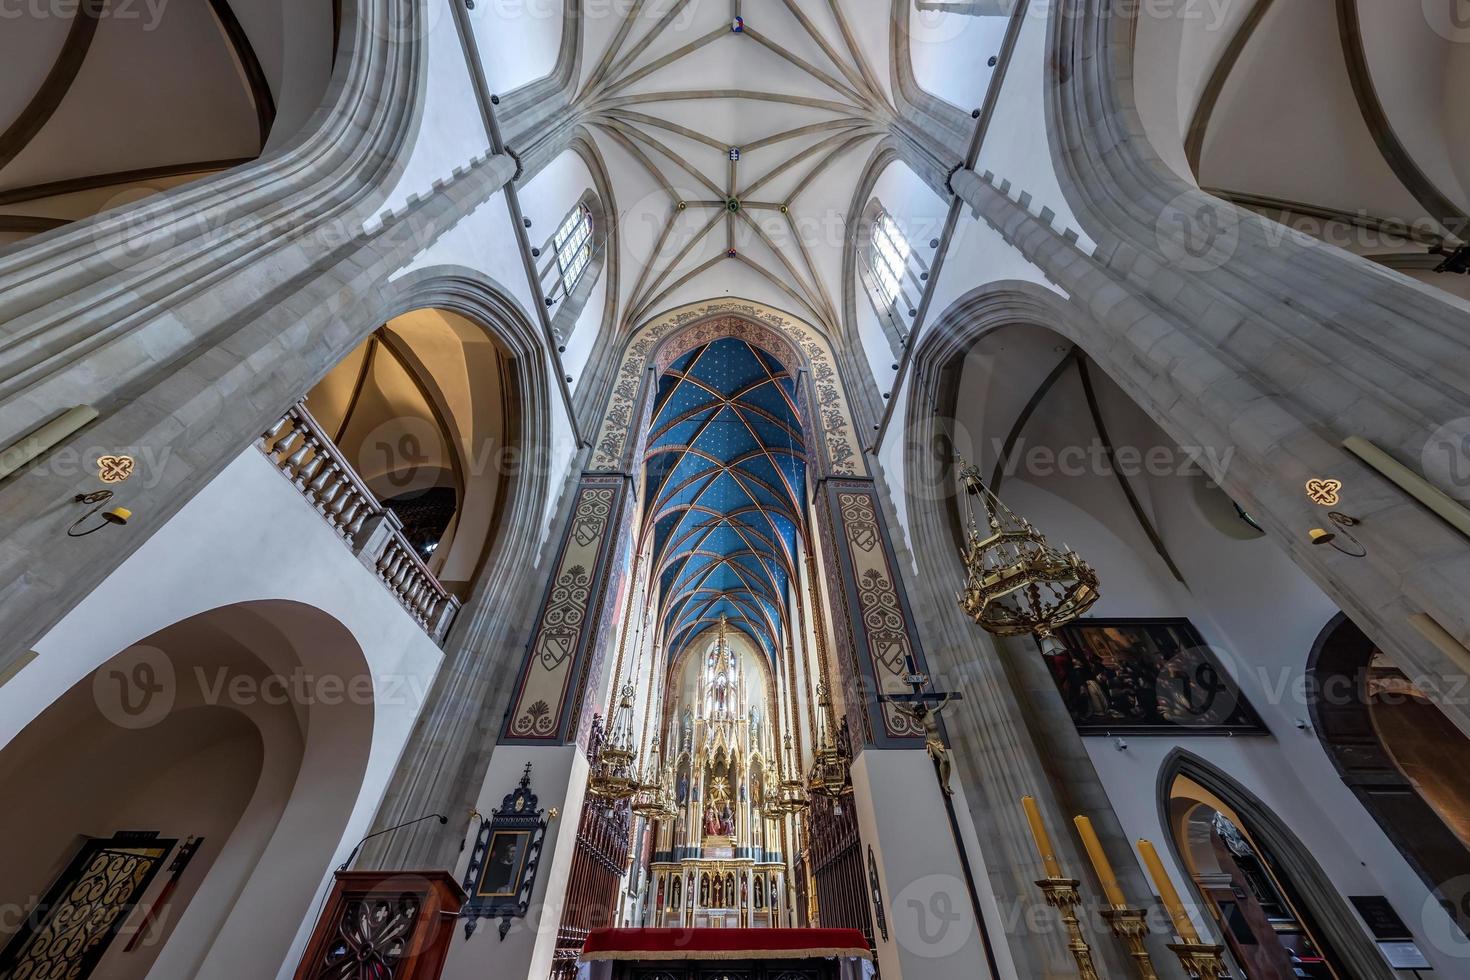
(574, 258)
(891, 273)
(889, 257)
(573, 243)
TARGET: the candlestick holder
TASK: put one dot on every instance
(1201, 960)
(1131, 925)
(1062, 895)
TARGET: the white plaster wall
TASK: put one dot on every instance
(589, 324)
(519, 39)
(1017, 147)
(547, 200)
(950, 51)
(450, 133)
(919, 215)
(483, 241)
(248, 535)
(977, 255)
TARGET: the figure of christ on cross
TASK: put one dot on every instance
(924, 708)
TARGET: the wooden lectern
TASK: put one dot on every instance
(384, 923)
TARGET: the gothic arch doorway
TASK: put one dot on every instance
(197, 766)
(1389, 743)
(1279, 914)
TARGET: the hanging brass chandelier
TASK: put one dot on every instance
(830, 773)
(654, 797)
(614, 774)
(1015, 582)
(789, 794)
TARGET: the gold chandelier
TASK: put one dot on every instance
(654, 798)
(788, 792)
(830, 774)
(1015, 582)
(614, 775)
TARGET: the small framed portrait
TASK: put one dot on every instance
(501, 875)
(1146, 677)
(502, 869)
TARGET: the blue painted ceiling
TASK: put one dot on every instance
(726, 477)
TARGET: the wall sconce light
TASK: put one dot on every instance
(1334, 538)
(113, 515)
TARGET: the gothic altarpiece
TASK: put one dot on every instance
(717, 862)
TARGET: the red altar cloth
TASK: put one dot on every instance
(723, 944)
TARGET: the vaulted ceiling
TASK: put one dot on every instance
(726, 476)
(1332, 115)
(107, 102)
(736, 134)
(737, 146)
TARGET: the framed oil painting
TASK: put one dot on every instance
(1146, 677)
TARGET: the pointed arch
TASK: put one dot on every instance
(1311, 890)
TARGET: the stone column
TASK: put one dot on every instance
(900, 809)
(548, 721)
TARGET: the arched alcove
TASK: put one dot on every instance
(1390, 744)
(212, 730)
(114, 103)
(1241, 98)
(424, 412)
(1257, 880)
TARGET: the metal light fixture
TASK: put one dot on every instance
(614, 774)
(113, 515)
(653, 798)
(789, 793)
(830, 774)
(1015, 582)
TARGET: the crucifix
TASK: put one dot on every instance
(924, 707)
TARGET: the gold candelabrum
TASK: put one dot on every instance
(1131, 925)
(1204, 960)
(1062, 895)
(788, 793)
(1015, 582)
(654, 797)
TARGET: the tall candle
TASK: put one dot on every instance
(1100, 863)
(1043, 841)
(1182, 925)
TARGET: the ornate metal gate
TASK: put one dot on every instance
(69, 930)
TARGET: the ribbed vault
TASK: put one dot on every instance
(726, 476)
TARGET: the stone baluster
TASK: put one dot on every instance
(303, 453)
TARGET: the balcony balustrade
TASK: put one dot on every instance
(307, 456)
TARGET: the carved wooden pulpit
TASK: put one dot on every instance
(384, 923)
